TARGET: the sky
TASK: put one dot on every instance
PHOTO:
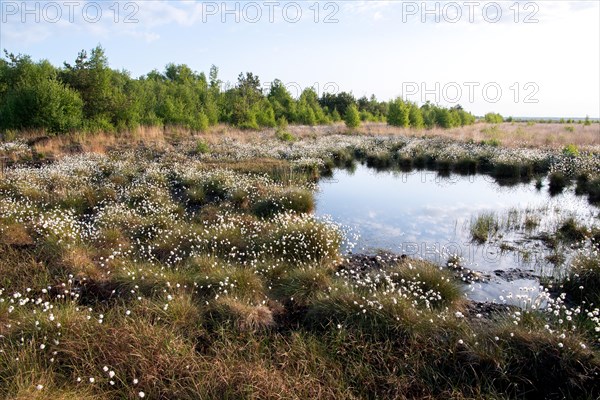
(518, 58)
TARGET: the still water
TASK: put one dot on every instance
(423, 214)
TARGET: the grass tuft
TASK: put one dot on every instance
(484, 226)
(231, 313)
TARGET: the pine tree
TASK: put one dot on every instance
(352, 117)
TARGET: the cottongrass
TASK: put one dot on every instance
(138, 288)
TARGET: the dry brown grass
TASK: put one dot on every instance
(15, 235)
(259, 380)
(243, 317)
(512, 135)
(518, 134)
(164, 363)
(20, 270)
(80, 261)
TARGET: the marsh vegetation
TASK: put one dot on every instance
(191, 266)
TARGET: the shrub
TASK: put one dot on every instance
(282, 133)
(215, 188)
(593, 190)
(195, 196)
(201, 147)
(285, 136)
(571, 150)
(493, 118)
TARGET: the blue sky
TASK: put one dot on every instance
(520, 58)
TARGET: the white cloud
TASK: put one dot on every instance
(139, 20)
(360, 7)
(158, 13)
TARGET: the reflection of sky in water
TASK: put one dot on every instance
(421, 213)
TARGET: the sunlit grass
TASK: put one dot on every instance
(195, 269)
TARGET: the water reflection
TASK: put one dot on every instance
(424, 214)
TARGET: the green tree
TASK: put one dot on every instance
(428, 112)
(88, 94)
(335, 115)
(243, 102)
(309, 109)
(340, 101)
(352, 117)
(282, 101)
(415, 117)
(443, 118)
(373, 107)
(265, 116)
(399, 113)
(34, 98)
(90, 76)
(466, 118)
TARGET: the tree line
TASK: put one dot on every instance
(87, 95)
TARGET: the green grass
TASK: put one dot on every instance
(484, 226)
(302, 286)
(295, 200)
(207, 277)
